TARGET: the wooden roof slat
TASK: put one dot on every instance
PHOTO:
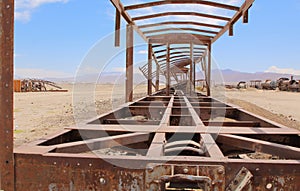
(168, 2)
(180, 23)
(179, 29)
(181, 14)
(173, 53)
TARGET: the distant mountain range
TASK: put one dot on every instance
(218, 76)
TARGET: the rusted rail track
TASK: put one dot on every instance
(174, 146)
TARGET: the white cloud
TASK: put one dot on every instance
(275, 69)
(24, 8)
(40, 73)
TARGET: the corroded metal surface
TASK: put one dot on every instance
(6, 94)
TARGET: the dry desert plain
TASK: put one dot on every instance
(38, 114)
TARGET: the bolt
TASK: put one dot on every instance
(102, 181)
(185, 170)
(235, 182)
(257, 169)
(220, 171)
(150, 169)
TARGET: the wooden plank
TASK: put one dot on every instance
(172, 2)
(129, 63)
(6, 96)
(283, 151)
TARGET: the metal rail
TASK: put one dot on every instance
(179, 142)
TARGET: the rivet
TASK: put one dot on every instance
(78, 164)
(220, 171)
(90, 164)
(102, 181)
(150, 169)
(185, 170)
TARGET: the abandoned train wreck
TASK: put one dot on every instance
(176, 145)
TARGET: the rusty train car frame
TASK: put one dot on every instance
(175, 146)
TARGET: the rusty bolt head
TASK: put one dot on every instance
(150, 169)
(220, 171)
(102, 181)
(185, 170)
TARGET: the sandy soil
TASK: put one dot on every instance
(40, 114)
(281, 107)
(37, 114)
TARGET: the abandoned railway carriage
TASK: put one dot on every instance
(185, 140)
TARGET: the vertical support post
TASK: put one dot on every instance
(149, 69)
(157, 79)
(6, 95)
(245, 16)
(168, 81)
(129, 63)
(117, 28)
(209, 71)
(191, 82)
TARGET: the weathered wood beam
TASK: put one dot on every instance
(172, 2)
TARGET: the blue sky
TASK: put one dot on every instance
(52, 37)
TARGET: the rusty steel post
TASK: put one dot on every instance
(117, 28)
(168, 71)
(129, 63)
(209, 71)
(191, 68)
(149, 69)
(6, 95)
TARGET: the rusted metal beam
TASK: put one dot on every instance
(101, 143)
(247, 4)
(149, 69)
(191, 68)
(117, 28)
(119, 6)
(168, 80)
(180, 38)
(209, 62)
(181, 48)
(129, 63)
(282, 151)
(156, 148)
(6, 96)
(181, 14)
(180, 29)
(181, 23)
(172, 2)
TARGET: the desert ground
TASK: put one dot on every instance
(38, 114)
